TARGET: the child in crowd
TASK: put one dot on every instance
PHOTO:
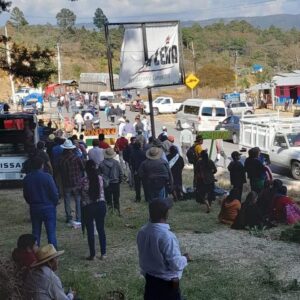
(25, 253)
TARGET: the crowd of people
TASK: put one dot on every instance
(64, 169)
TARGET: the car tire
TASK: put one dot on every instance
(178, 125)
(235, 138)
(155, 112)
(295, 169)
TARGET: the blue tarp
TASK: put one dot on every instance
(34, 97)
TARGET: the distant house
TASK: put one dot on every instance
(95, 82)
(287, 86)
(70, 82)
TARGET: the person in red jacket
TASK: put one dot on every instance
(25, 253)
(120, 145)
(102, 143)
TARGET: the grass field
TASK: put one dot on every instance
(227, 264)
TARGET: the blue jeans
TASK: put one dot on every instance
(155, 193)
(48, 217)
(69, 194)
(95, 211)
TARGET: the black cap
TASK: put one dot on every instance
(235, 154)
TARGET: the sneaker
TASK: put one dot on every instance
(70, 223)
(90, 258)
(103, 257)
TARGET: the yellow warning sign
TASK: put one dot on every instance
(192, 81)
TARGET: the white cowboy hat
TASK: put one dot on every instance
(45, 254)
(121, 120)
(109, 153)
(68, 145)
(185, 126)
(154, 153)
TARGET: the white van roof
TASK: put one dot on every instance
(198, 102)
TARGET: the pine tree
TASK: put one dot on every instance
(17, 18)
(99, 19)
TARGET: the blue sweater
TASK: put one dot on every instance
(40, 191)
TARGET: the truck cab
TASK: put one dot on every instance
(278, 139)
(18, 133)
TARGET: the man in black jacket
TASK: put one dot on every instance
(237, 173)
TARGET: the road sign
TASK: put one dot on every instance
(214, 135)
(192, 81)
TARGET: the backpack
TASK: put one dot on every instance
(191, 155)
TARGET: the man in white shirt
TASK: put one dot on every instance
(96, 154)
(186, 140)
(160, 258)
(79, 121)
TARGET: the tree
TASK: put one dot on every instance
(66, 19)
(99, 19)
(17, 18)
(4, 5)
(33, 66)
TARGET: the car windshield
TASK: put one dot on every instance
(294, 139)
(158, 100)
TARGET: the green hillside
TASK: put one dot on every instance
(217, 49)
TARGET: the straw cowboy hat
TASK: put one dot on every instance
(109, 153)
(51, 137)
(45, 254)
(154, 153)
(68, 145)
(185, 126)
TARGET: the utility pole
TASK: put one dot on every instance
(195, 67)
(11, 77)
(235, 68)
(58, 63)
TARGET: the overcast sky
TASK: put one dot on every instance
(43, 11)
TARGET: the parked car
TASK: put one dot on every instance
(231, 124)
(105, 98)
(239, 108)
(162, 105)
(201, 114)
(278, 139)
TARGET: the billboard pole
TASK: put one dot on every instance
(145, 46)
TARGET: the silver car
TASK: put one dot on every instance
(239, 108)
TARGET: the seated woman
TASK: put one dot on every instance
(250, 214)
(230, 208)
(285, 210)
(25, 253)
(41, 282)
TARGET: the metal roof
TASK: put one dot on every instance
(96, 77)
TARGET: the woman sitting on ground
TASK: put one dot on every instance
(25, 253)
(250, 214)
(285, 209)
(230, 208)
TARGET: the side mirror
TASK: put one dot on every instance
(283, 145)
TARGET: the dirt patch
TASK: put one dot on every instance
(277, 261)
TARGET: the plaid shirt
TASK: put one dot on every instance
(72, 169)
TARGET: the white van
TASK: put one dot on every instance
(201, 114)
(104, 98)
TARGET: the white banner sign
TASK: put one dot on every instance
(162, 66)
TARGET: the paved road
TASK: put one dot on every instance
(168, 120)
